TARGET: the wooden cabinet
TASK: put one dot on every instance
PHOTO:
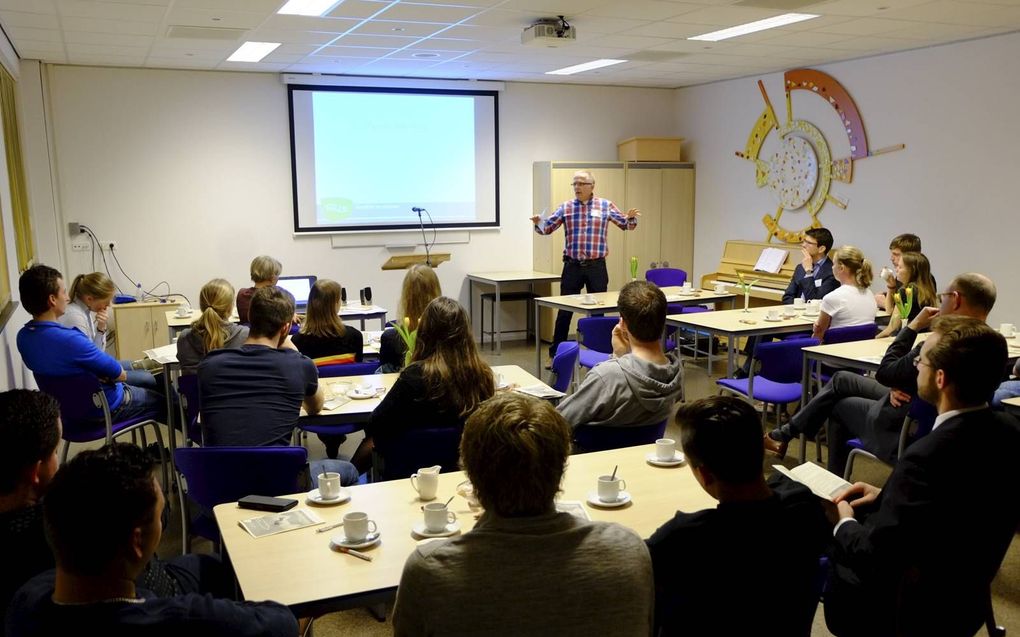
(140, 326)
(662, 191)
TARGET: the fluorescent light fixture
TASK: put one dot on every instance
(307, 7)
(587, 66)
(752, 27)
(252, 51)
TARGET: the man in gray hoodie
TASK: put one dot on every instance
(639, 384)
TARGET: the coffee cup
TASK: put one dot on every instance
(329, 485)
(183, 311)
(589, 298)
(720, 288)
(665, 448)
(466, 490)
(687, 285)
(610, 487)
(437, 516)
(788, 311)
(798, 303)
(357, 526)
(886, 274)
(426, 481)
(500, 381)
(1007, 329)
(773, 314)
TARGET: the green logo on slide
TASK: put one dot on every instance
(335, 208)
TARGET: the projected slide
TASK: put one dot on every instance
(363, 159)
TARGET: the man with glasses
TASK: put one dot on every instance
(812, 278)
(586, 219)
(873, 409)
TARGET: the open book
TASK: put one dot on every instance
(824, 484)
(164, 354)
(771, 260)
(540, 391)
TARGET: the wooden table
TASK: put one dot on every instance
(298, 568)
(608, 302)
(364, 313)
(498, 279)
(1012, 405)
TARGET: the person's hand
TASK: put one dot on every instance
(805, 260)
(633, 213)
(923, 318)
(535, 220)
(860, 494)
(621, 340)
(101, 318)
(288, 344)
(880, 300)
(898, 398)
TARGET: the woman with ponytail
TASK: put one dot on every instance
(213, 329)
(852, 303)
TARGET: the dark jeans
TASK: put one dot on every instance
(138, 402)
(592, 276)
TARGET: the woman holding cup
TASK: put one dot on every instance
(852, 302)
(917, 291)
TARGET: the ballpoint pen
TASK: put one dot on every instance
(329, 528)
(357, 554)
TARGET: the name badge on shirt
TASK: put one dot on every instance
(818, 283)
(596, 214)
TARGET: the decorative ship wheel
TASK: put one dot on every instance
(801, 171)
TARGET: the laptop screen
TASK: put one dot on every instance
(299, 286)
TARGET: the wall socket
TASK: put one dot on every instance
(110, 246)
(80, 246)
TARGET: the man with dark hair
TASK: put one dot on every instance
(30, 431)
(812, 278)
(525, 569)
(922, 556)
(252, 396)
(51, 349)
(640, 383)
(101, 550)
(873, 409)
(706, 570)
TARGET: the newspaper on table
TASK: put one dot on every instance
(823, 483)
(279, 522)
(163, 355)
(540, 391)
(573, 507)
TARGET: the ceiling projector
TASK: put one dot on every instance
(549, 32)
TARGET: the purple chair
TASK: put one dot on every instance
(398, 456)
(596, 334)
(921, 412)
(563, 364)
(191, 406)
(666, 277)
(80, 396)
(597, 438)
(214, 475)
(347, 369)
(844, 334)
(779, 380)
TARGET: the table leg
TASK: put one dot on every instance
(730, 345)
(499, 328)
(471, 303)
(538, 341)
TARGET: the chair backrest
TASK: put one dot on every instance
(563, 364)
(80, 396)
(593, 438)
(401, 455)
(850, 333)
(665, 277)
(348, 369)
(921, 412)
(782, 361)
(215, 475)
(191, 404)
(596, 332)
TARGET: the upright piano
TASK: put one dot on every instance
(740, 257)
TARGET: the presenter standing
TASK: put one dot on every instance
(587, 219)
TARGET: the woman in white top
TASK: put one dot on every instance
(91, 296)
(852, 303)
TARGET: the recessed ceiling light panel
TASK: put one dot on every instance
(587, 66)
(754, 27)
(252, 51)
(307, 7)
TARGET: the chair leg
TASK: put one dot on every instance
(481, 323)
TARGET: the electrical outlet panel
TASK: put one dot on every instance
(110, 246)
(78, 246)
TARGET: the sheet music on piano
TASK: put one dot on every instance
(771, 260)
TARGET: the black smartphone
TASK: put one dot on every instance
(266, 503)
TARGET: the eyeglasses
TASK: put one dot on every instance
(805, 242)
(582, 183)
(942, 295)
(918, 362)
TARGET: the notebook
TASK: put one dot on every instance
(300, 287)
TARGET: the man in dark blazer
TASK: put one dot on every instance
(917, 557)
(812, 278)
(873, 409)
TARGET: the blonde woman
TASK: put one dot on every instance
(323, 334)
(443, 384)
(91, 296)
(265, 271)
(421, 286)
(852, 303)
(213, 329)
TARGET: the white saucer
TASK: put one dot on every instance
(587, 303)
(773, 320)
(806, 313)
(452, 528)
(502, 386)
(358, 394)
(692, 293)
(593, 499)
(652, 459)
(1011, 336)
(315, 498)
(341, 541)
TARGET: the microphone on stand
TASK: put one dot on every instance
(428, 259)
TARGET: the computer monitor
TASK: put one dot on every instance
(300, 287)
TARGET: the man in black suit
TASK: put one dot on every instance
(922, 556)
(873, 409)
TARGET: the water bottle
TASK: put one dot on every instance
(139, 296)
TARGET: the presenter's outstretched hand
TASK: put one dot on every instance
(535, 220)
(633, 213)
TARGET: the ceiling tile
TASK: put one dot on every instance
(95, 25)
(972, 14)
(110, 10)
(298, 38)
(725, 16)
(358, 9)
(42, 35)
(381, 41)
(29, 6)
(484, 34)
(864, 8)
(553, 8)
(108, 39)
(40, 46)
(446, 44)
(305, 23)
(589, 26)
(392, 27)
(353, 51)
(500, 18)
(439, 56)
(667, 30)
(806, 39)
(220, 18)
(427, 13)
(30, 20)
(863, 26)
(266, 6)
(935, 31)
(106, 60)
(642, 10)
(74, 50)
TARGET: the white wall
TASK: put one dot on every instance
(189, 172)
(953, 106)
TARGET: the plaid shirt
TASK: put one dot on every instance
(586, 226)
